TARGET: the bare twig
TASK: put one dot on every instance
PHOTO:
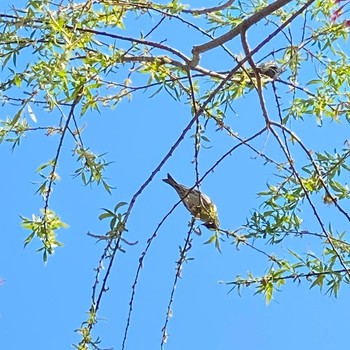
(179, 264)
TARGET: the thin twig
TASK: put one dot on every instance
(179, 264)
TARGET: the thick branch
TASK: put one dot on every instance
(255, 18)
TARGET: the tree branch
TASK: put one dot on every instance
(245, 25)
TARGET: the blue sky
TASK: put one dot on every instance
(42, 304)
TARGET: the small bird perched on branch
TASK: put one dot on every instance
(197, 203)
(271, 69)
(268, 71)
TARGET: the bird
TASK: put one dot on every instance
(270, 69)
(197, 203)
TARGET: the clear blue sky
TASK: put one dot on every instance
(41, 305)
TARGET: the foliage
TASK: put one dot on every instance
(44, 227)
(85, 58)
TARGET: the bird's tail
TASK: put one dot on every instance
(170, 180)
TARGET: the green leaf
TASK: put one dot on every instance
(268, 292)
(17, 80)
(106, 186)
(29, 238)
(119, 205)
(318, 281)
(15, 119)
(107, 214)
